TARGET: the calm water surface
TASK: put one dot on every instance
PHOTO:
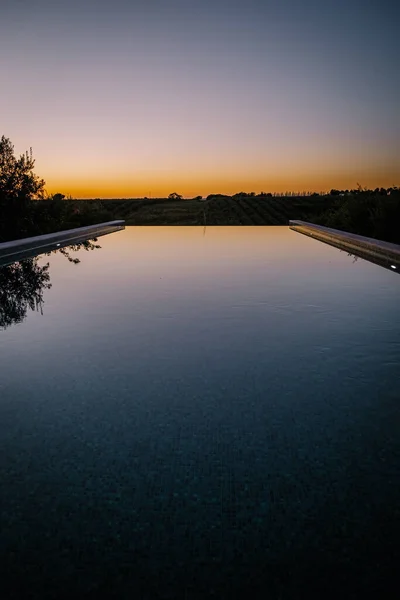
(195, 414)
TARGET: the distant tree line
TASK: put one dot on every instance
(304, 194)
(359, 190)
(26, 209)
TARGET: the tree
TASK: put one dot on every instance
(17, 179)
(174, 196)
(58, 197)
(18, 187)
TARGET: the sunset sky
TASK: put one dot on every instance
(128, 98)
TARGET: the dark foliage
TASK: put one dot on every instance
(26, 210)
(19, 186)
(374, 214)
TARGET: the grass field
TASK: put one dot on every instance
(216, 211)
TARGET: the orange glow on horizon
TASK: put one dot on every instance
(160, 187)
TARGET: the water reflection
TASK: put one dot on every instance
(381, 261)
(377, 255)
(86, 245)
(353, 256)
(212, 409)
(22, 284)
(21, 287)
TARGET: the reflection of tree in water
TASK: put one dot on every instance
(355, 258)
(86, 245)
(22, 284)
(21, 287)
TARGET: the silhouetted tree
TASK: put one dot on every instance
(174, 196)
(18, 187)
(21, 216)
(218, 197)
(17, 179)
(58, 197)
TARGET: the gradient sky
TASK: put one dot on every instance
(127, 98)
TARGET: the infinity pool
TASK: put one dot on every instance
(192, 413)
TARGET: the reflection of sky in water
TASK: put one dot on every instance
(188, 401)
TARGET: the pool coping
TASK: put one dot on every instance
(383, 253)
(27, 247)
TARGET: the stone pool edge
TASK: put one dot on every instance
(383, 253)
(27, 247)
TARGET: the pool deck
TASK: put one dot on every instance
(383, 253)
(27, 247)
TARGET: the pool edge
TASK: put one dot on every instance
(27, 247)
(384, 254)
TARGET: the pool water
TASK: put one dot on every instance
(198, 413)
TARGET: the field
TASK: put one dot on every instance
(219, 210)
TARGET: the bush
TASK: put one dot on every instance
(366, 213)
